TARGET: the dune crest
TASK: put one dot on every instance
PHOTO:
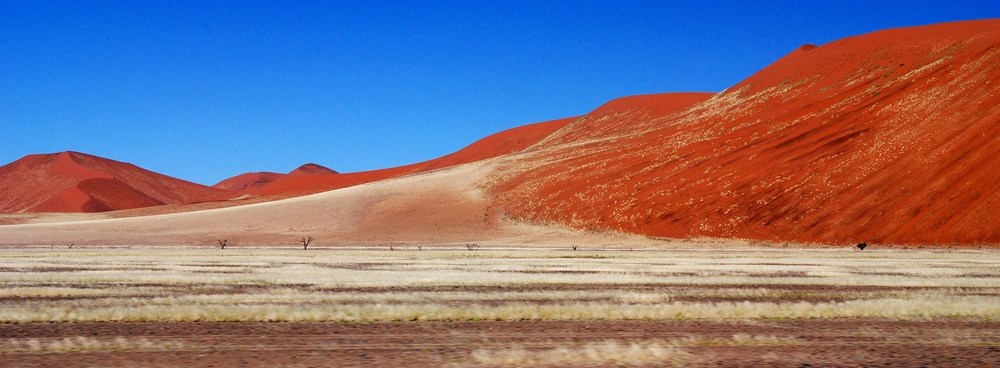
(248, 180)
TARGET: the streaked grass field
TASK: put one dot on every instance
(164, 284)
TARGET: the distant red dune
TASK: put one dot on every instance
(311, 169)
(251, 180)
(76, 182)
(248, 180)
(502, 143)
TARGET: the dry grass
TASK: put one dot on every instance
(374, 285)
(603, 353)
(85, 344)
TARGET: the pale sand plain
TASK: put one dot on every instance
(410, 284)
(442, 306)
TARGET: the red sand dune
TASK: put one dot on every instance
(76, 182)
(311, 169)
(502, 143)
(248, 180)
(888, 137)
(625, 114)
(298, 185)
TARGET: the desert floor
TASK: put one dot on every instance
(455, 305)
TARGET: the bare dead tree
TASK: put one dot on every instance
(71, 245)
(222, 243)
(420, 247)
(472, 246)
(305, 240)
(391, 248)
(574, 247)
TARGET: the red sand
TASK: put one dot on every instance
(624, 115)
(888, 137)
(502, 143)
(248, 180)
(76, 182)
(311, 169)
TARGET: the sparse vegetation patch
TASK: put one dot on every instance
(382, 285)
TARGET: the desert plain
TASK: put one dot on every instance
(660, 302)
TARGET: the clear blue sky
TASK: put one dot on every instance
(205, 90)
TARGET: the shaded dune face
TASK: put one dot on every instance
(886, 137)
(75, 182)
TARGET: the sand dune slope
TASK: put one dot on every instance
(506, 142)
(891, 136)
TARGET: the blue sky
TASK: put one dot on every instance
(206, 90)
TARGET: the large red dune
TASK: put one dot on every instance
(888, 137)
(76, 182)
